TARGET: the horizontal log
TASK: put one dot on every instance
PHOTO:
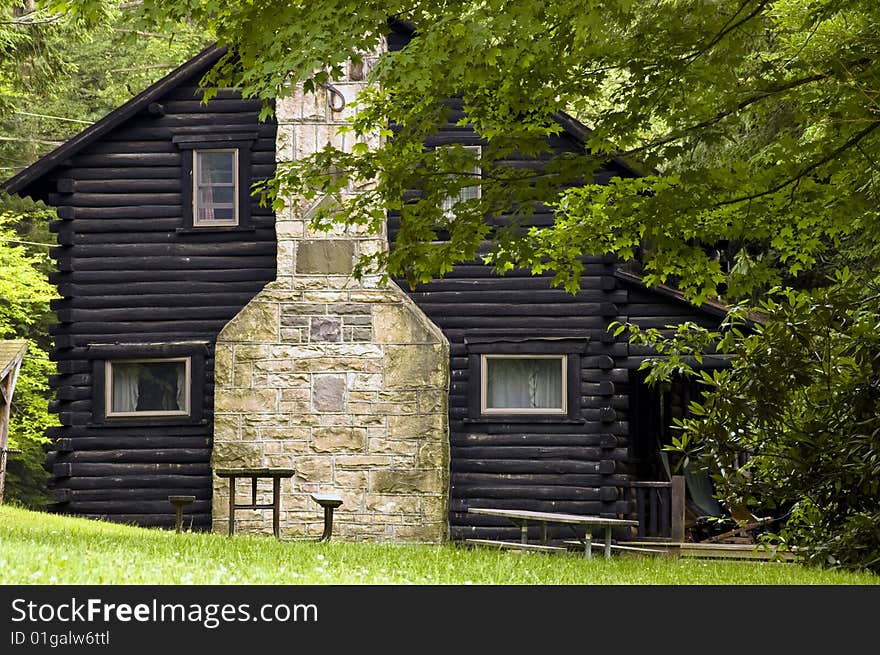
(144, 441)
(155, 300)
(527, 451)
(84, 292)
(195, 522)
(522, 466)
(126, 159)
(115, 213)
(588, 283)
(135, 507)
(536, 323)
(169, 314)
(137, 130)
(214, 105)
(134, 431)
(106, 146)
(487, 441)
(526, 306)
(111, 174)
(265, 273)
(156, 480)
(170, 184)
(77, 469)
(140, 456)
(256, 234)
(167, 263)
(458, 424)
(493, 295)
(554, 492)
(462, 480)
(138, 251)
(202, 492)
(461, 505)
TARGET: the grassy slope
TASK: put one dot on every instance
(41, 548)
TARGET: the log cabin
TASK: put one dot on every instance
(196, 329)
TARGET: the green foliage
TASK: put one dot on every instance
(24, 313)
(801, 396)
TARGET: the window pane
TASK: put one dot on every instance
(216, 167)
(148, 387)
(523, 383)
(222, 195)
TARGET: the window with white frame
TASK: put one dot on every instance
(523, 384)
(472, 188)
(148, 387)
(215, 187)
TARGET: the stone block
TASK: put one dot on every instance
(391, 505)
(223, 366)
(416, 366)
(325, 329)
(245, 400)
(430, 533)
(257, 322)
(324, 257)
(338, 439)
(405, 481)
(431, 427)
(328, 393)
(230, 454)
(314, 469)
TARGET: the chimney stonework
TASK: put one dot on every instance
(343, 380)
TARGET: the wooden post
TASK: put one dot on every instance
(10, 363)
(677, 507)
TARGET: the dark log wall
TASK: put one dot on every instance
(129, 274)
(582, 464)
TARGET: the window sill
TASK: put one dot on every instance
(203, 230)
(525, 418)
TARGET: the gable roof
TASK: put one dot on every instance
(24, 182)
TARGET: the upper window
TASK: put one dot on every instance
(215, 188)
(523, 384)
(148, 387)
(471, 190)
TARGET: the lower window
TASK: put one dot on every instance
(148, 387)
(524, 384)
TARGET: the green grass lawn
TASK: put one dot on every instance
(43, 548)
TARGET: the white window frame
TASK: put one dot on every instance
(484, 386)
(108, 387)
(233, 222)
(477, 172)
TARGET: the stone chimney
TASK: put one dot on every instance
(343, 380)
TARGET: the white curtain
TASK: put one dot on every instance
(125, 387)
(522, 383)
(181, 387)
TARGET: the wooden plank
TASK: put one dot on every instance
(516, 545)
(553, 517)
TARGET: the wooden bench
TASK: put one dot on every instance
(524, 518)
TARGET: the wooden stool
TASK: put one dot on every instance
(179, 502)
(329, 502)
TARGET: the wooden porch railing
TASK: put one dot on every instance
(659, 509)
